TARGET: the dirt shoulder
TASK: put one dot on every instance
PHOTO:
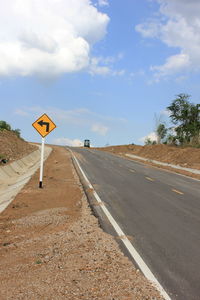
(187, 157)
(52, 247)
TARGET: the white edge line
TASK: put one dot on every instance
(163, 169)
(136, 256)
(190, 170)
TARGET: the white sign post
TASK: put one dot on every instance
(41, 163)
(44, 125)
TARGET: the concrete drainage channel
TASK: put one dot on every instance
(15, 175)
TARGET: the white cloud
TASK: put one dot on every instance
(152, 136)
(103, 2)
(149, 29)
(137, 74)
(178, 26)
(96, 69)
(79, 118)
(21, 113)
(68, 142)
(174, 64)
(49, 37)
(118, 73)
(103, 66)
(100, 129)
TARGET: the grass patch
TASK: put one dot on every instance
(38, 262)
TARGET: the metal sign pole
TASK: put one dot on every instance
(41, 163)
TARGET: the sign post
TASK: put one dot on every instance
(41, 163)
(44, 125)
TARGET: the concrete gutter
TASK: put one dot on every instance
(194, 171)
(14, 176)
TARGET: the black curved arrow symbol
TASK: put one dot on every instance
(41, 123)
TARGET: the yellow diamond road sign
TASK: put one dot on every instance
(44, 125)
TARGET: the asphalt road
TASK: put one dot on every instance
(159, 209)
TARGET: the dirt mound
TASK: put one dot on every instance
(184, 156)
(12, 147)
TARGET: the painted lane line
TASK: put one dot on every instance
(150, 179)
(177, 192)
(89, 184)
(163, 170)
(135, 255)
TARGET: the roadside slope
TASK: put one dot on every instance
(12, 147)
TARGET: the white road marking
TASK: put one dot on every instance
(162, 169)
(131, 170)
(136, 256)
(85, 177)
(150, 179)
(177, 192)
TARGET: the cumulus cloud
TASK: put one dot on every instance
(178, 26)
(68, 142)
(174, 64)
(152, 136)
(103, 2)
(100, 129)
(49, 37)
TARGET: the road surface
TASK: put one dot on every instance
(159, 210)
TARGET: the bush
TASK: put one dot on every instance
(4, 126)
(148, 141)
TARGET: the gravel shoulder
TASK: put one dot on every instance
(52, 247)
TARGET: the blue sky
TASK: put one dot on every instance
(100, 69)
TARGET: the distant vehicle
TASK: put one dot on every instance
(87, 143)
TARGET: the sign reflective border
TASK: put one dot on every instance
(44, 125)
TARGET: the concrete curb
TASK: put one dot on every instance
(14, 176)
(194, 171)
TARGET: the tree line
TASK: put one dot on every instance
(185, 117)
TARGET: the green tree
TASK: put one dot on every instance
(171, 139)
(161, 132)
(186, 116)
(4, 125)
(148, 141)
